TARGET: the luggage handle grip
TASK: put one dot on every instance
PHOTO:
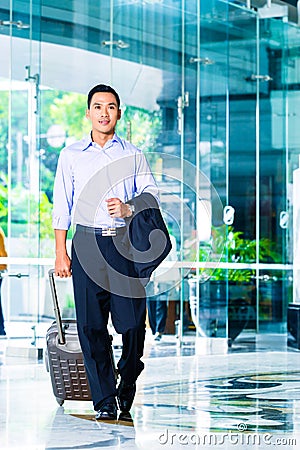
(61, 334)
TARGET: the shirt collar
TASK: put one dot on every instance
(87, 141)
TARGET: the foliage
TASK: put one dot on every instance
(3, 128)
(3, 197)
(23, 203)
(145, 127)
(236, 249)
(69, 112)
(33, 213)
(12, 109)
(44, 218)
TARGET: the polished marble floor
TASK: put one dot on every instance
(248, 398)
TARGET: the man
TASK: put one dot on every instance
(99, 181)
(3, 267)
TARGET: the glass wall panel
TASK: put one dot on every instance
(242, 193)
(227, 152)
(255, 215)
(205, 145)
(209, 93)
(147, 70)
(20, 69)
(290, 76)
(274, 281)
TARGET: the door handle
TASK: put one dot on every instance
(228, 215)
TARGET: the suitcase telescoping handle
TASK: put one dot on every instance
(61, 334)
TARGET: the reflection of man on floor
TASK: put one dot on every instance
(3, 267)
(158, 292)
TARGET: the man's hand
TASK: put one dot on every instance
(63, 266)
(62, 261)
(116, 208)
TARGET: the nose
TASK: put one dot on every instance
(104, 113)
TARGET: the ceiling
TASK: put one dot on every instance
(137, 46)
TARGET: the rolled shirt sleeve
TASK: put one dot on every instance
(144, 180)
(63, 193)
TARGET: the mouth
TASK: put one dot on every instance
(103, 122)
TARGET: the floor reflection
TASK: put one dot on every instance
(75, 429)
(195, 401)
(257, 402)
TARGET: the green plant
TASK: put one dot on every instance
(232, 247)
(69, 301)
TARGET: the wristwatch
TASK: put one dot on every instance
(132, 209)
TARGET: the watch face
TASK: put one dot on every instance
(131, 208)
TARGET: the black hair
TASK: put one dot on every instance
(102, 88)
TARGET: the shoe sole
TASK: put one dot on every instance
(105, 417)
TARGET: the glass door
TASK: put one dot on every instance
(242, 282)
(148, 72)
(203, 158)
(242, 151)
(274, 279)
(19, 84)
(220, 140)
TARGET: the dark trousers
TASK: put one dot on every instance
(157, 314)
(1, 312)
(104, 282)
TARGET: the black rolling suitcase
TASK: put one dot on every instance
(63, 356)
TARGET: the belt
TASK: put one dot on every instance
(106, 232)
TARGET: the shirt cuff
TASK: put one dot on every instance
(61, 222)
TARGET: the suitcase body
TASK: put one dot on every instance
(65, 364)
(63, 356)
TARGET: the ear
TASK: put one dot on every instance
(119, 114)
(87, 114)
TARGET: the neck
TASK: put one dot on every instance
(101, 138)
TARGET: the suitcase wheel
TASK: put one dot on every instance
(60, 401)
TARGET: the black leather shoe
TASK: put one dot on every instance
(125, 416)
(107, 411)
(125, 395)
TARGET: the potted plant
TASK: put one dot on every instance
(219, 284)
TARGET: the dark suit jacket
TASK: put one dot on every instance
(148, 238)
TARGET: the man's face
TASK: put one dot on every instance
(104, 112)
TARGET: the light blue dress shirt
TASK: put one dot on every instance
(88, 174)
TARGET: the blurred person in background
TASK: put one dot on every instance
(161, 284)
(3, 268)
